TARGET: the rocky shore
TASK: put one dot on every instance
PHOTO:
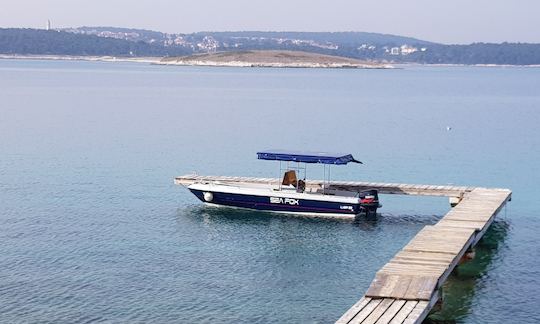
(273, 59)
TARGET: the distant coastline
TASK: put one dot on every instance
(126, 43)
(270, 59)
(166, 61)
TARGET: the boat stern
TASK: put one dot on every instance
(369, 201)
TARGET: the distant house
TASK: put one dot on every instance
(406, 49)
(394, 51)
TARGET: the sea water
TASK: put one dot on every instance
(92, 228)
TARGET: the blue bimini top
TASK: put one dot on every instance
(306, 157)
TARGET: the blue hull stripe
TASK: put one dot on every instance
(279, 204)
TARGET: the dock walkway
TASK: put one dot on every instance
(407, 287)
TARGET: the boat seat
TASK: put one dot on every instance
(289, 178)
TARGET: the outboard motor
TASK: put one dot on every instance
(369, 202)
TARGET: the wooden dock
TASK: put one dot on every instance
(408, 286)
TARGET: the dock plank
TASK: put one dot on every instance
(404, 312)
(402, 286)
(417, 313)
(379, 311)
(422, 255)
(351, 313)
(477, 225)
(391, 311)
(364, 313)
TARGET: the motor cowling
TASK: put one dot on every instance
(369, 197)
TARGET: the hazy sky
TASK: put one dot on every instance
(456, 21)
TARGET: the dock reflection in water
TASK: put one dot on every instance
(461, 288)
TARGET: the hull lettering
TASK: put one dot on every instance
(285, 201)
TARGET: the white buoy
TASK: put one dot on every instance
(448, 128)
(208, 196)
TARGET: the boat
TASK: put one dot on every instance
(290, 194)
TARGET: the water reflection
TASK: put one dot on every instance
(295, 244)
(210, 214)
(459, 290)
(221, 214)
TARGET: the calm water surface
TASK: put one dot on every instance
(93, 229)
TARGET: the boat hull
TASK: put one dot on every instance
(279, 203)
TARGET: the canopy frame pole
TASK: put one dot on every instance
(329, 168)
(324, 180)
(299, 173)
(288, 167)
(279, 176)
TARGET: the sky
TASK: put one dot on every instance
(444, 21)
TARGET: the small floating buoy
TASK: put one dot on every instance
(448, 128)
(208, 196)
